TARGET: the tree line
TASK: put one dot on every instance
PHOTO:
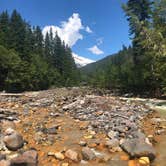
(31, 61)
(142, 66)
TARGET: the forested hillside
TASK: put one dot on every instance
(141, 67)
(31, 61)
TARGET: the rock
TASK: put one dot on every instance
(2, 157)
(28, 158)
(156, 121)
(52, 130)
(144, 161)
(159, 132)
(13, 140)
(139, 135)
(50, 154)
(65, 164)
(71, 154)
(138, 148)
(87, 153)
(82, 143)
(4, 163)
(7, 124)
(115, 149)
(59, 156)
(11, 156)
(112, 134)
(112, 143)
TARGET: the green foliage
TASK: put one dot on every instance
(28, 61)
(142, 67)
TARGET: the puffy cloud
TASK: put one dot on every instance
(69, 31)
(87, 29)
(95, 50)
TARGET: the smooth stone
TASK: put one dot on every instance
(13, 140)
(59, 156)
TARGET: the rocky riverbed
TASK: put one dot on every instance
(77, 126)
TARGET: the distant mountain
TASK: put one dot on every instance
(81, 61)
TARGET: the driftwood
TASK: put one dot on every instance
(11, 94)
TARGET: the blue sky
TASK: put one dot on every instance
(100, 27)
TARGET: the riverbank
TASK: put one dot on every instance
(75, 126)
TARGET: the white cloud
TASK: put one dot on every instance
(81, 61)
(87, 29)
(69, 31)
(95, 50)
(99, 41)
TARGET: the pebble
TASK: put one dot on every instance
(82, 143)
(87, 153)
(59, 156)
(144, 161)
(71, 154)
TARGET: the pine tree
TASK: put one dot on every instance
(4, 29)
(17, 33)
(38, 37)
(138, 14)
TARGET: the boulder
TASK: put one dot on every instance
(28, 158)
(138, 148)
(13, 140)
(87, 153)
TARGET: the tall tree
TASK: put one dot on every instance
(17, 33)
(138, 14)
(4, 29)
(38, 41)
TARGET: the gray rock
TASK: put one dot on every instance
(87, 153)
(13, 140)
(138, 148)
(112, 143)
(139, 135)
